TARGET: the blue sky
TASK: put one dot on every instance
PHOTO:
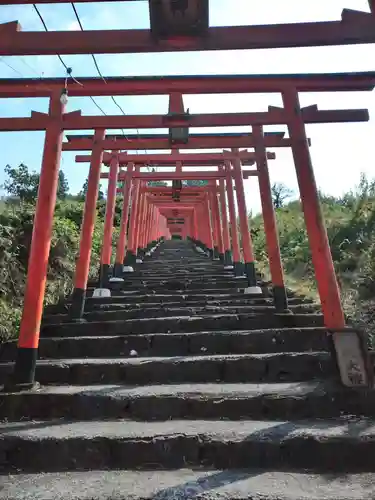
(340, 152)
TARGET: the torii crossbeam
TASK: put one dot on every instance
(355, 27)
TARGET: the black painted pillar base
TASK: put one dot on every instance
(23, 376)
(104, 275)
(250, 273)
(221, 257)
(238, 268)
(130, 258)
(228, 258)
(210, 253)
(77, 306)
(215, 253)
(117, 270)
(280, 298)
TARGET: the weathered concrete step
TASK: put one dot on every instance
(172, 301)
(198, 401)
(163, 311)
(335, 445)
(186, 297)
(279, 367)
(152, 270)
(182, 285)
(183, 324)
(122, 292)
(169, 274)
(187, 484)
(176, 344)
(157, 262)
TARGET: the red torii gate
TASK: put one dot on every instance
(116, 159)
(355, 27)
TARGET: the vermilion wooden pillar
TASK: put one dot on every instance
(141, 226)
(210, 238)
(215, 255)
(87, 228)
(121, 244)
(270, 225)
(152, 228)
(195, 226)
(159, 225)
(216, 215)
(201, 226)
(247, 245)
(155, 225)
(28, 341)
(130, 257)
(137, 219)
(184, 232)
(105, 259)
(224, 218)
(321, 254)
(139, 223)
(237, 263)
(147, 239)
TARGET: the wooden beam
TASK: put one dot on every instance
(274, 116)
(169, 176)
(352, 29)
(165, 160)
(161, 141)
(209, 84)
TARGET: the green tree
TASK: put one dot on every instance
(83, 192)
(280, 194)
(21, 183)
(63, 186)
(157, 184)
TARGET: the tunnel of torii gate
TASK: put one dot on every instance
(207, 213)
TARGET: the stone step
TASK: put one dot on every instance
(202, 291)
(216, 285)
(188, 484)
(163, 311)
(335, 445)
(176, 344)
(276, 367)
(199, 401)
(121, 303)
(166, 276)
(186, 297)
(183, 324)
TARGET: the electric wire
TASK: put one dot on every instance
(11, 67)
(68, 70)
(100, 73)
(96, 63)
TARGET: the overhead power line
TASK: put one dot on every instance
(2, 59)
(67, 68)
(99, 71)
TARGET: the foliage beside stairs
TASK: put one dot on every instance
(16, 223)
(350, 221)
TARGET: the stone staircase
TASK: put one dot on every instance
(181, 386)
